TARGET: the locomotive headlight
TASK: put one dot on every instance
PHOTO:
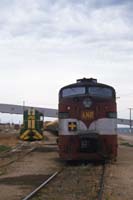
(68, 107)
(87, 103)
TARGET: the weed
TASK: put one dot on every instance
(4, 148)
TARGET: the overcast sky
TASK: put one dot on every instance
(47, 44)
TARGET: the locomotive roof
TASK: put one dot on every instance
(87, 82)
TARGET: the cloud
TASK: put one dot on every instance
(64, 19)
(76, 38)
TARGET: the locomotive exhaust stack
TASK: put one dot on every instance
(85, 80)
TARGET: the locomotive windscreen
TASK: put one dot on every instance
(93, 91)
(73, 91)
(101, 92)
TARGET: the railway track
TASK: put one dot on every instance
(21, 150)
(34, 192)
(101, 185)
(89, 184)
(15, 154)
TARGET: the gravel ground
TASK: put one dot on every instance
(24, 175)
(119, 176)
(73, 183)
(20, 178)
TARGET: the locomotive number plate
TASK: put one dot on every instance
(88, 115)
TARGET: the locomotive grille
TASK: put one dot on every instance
(89, 143)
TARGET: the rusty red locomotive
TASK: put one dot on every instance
(87, 121)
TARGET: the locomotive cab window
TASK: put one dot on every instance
(73, 91)
(101, 92)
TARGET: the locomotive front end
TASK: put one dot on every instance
(87, 121)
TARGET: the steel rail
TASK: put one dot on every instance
(100, 192)
(17, 159)
(41, 186)
(2, 154)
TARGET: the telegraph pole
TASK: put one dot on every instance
(130, 119)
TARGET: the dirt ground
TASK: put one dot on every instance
(8, 138)
(119, 176)
(20, 178)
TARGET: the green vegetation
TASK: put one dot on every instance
(4, 148)
(127, 144)
(3, 171)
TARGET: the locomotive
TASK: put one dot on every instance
(32, 128)
(87, 121)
